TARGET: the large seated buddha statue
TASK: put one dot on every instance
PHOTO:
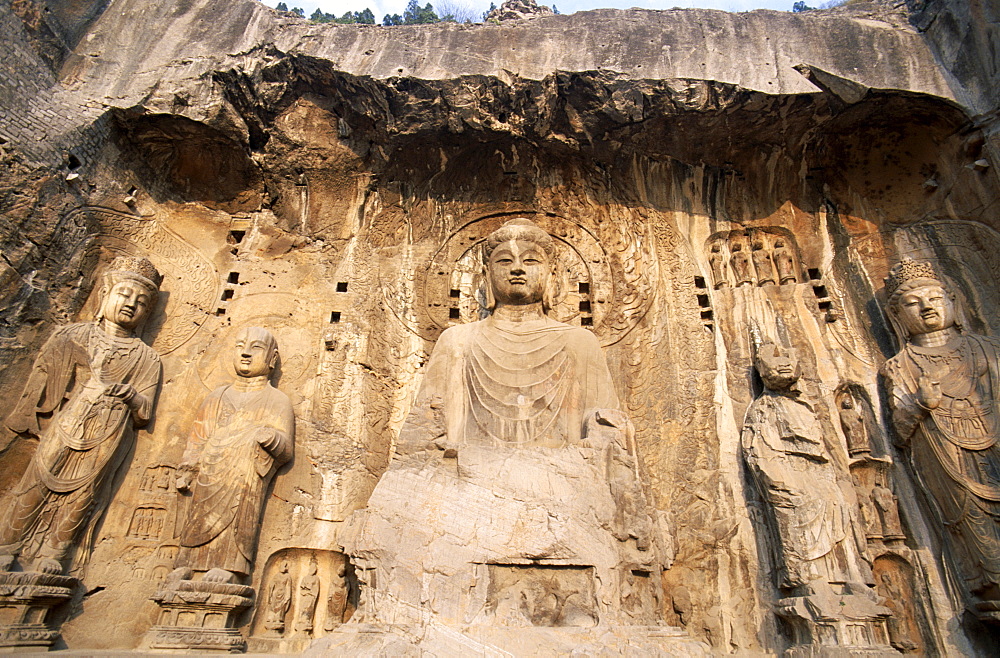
(513, 498)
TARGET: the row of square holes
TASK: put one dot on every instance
(585, 307)
(708, 316)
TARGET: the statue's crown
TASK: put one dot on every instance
(908, 270)
(136, 266)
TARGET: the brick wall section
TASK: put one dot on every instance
(38, 118)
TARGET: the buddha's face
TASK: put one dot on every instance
(518, 272)
(777, 367)
(253, 354)
(925, 309)
(126, 304)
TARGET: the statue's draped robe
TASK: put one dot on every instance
(500, 383)
(954, 447)
(87, 435)
(816, 532)
(234, 470)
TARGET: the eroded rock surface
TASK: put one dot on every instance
(702, 174)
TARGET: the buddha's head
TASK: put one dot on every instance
(255, 352)
(918, 301)
(518, 260)
(778, 367)
(129, 291)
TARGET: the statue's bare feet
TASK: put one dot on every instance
(6, 562)
(219, 576)
(48, 565)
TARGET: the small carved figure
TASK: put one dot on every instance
(242, 434)
(279, 600)
(92, 384)
(717, 261)
(869, 517)
(336, 602)
(739, 262)
(784, 262)
(308, 596)
(899, 631)
(855, 429)
(816, 533)
(888, 509)
(762, 263)
(944, 391)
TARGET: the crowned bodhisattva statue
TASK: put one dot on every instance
(944, 388)
(92, 385)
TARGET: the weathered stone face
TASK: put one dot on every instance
(707, 179)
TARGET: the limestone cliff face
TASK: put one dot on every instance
(315, 178)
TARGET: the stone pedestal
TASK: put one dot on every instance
(198, 615)
(829, 625)
(25, 601)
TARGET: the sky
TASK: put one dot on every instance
(382, 7)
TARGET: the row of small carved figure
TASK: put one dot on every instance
(769, 260)
(279, 600)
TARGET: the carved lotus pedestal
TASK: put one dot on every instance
(199, 616)
(25, 601)
(828, 625)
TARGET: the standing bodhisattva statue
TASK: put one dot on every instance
(91, 386)
(242, 434)
(944, 389)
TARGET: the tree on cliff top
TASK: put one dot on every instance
(413, 15)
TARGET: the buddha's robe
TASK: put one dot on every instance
(817, 535)
(495, 383)
(234, 469)
(954, 447)
(84, 434)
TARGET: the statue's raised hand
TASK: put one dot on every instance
(125, 392)
(186, 472)
(928, 392)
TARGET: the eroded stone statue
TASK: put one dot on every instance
(92, 385)
(819, 544)
(308, 596)
(242, 434)
(818, 538)
(944, 390)
(784, 262)
(515, 479)
(279, 600)
(762, 262)
(852, 422)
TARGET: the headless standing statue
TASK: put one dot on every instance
(243, 433)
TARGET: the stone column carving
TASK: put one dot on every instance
(944, 389)
(92, 385)
(819, 545)
(242, 434)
